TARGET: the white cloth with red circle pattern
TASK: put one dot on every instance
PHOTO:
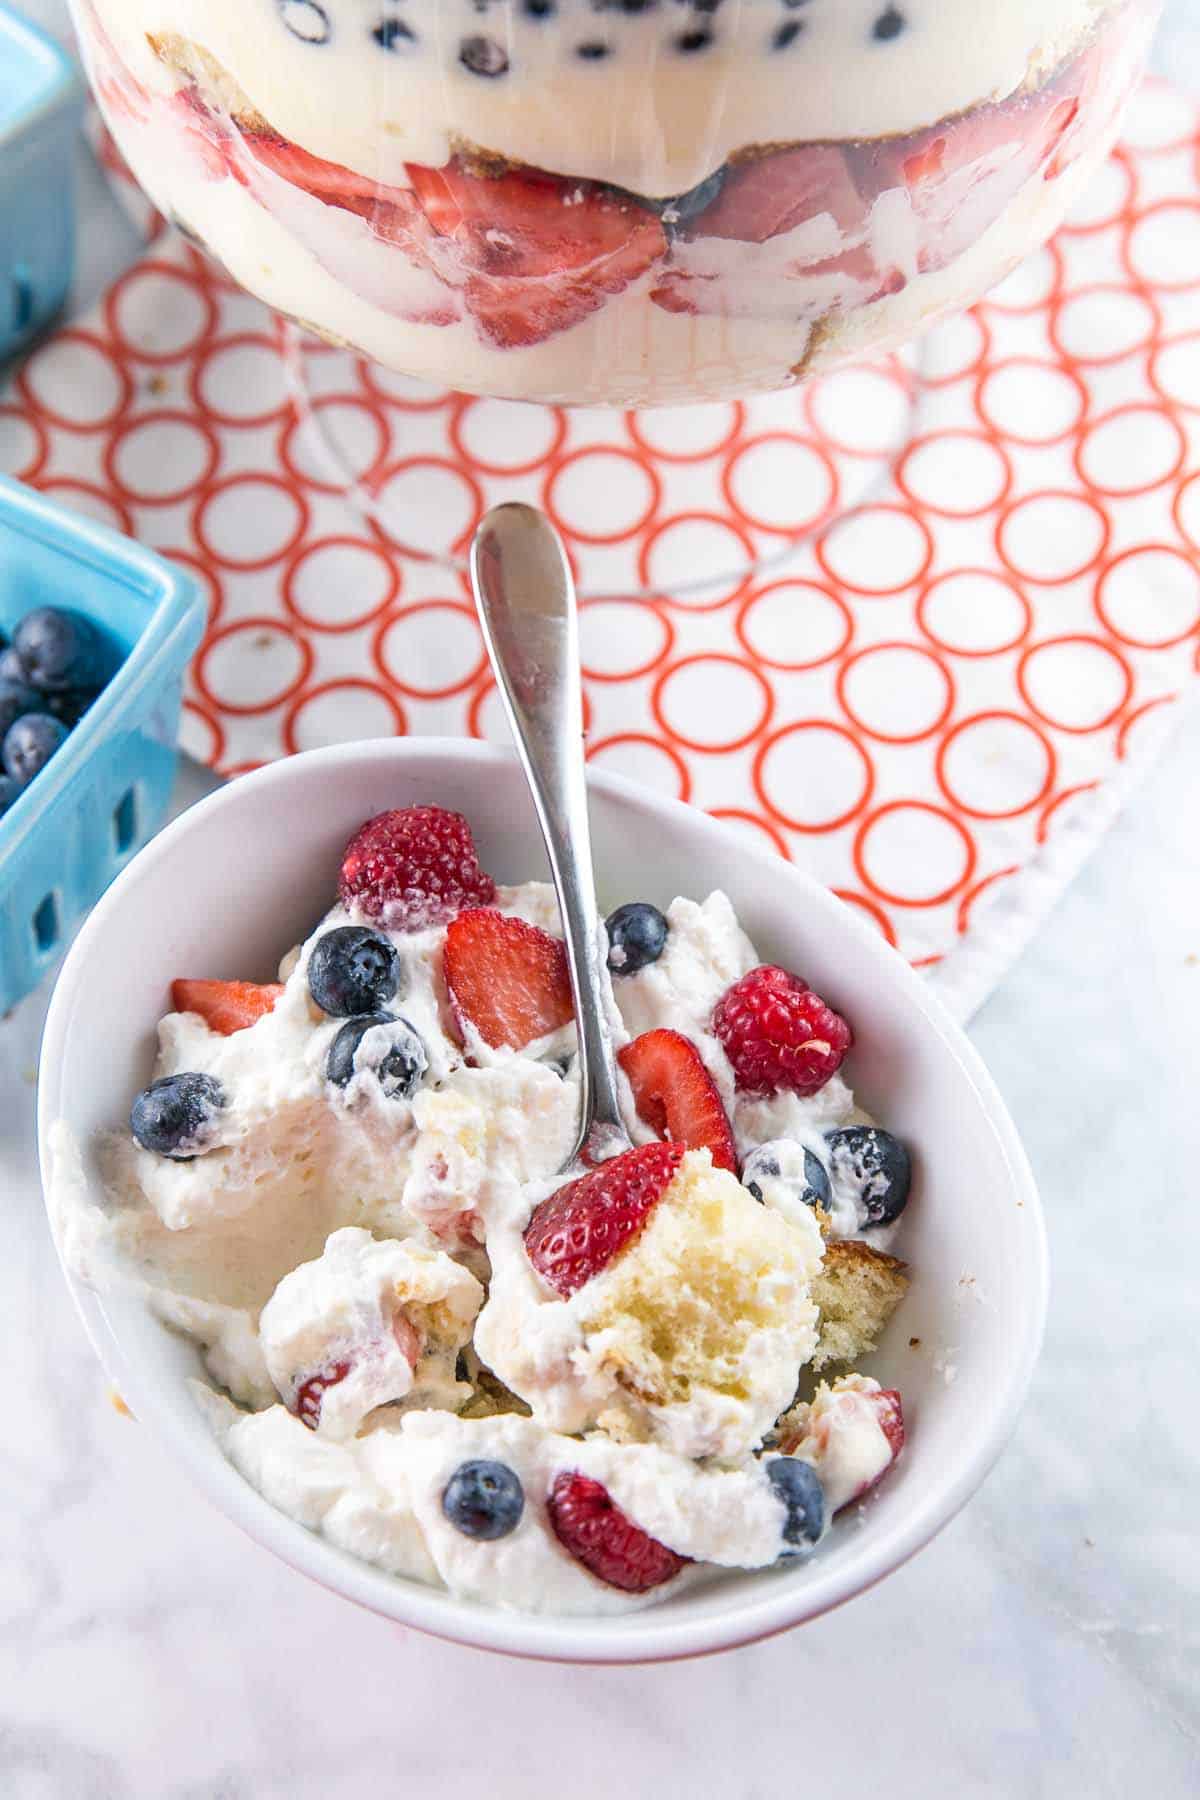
(936, 706)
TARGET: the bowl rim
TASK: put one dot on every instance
(623, 1638)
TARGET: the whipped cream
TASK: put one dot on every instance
(380, 1497)
(372, 1323)
(840, 1433)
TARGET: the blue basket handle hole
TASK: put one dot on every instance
(47, 925)
(21, 293)
(125, 822)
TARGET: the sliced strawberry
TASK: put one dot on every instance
(890, 1413)
(838, 1412)
(226, 1006)
(506, 978)
(591, 1527)
(416, 290)
(761, 199)
(122, 94)
(514, 223)
(578, 1230)
(390, 210)
(306, 1402)
(676, 1096)
(536, 252)
(207, 134)
(122, 97)
(960, 175)
(827, 264)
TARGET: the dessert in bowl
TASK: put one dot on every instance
(627, 203)
(402, 1341)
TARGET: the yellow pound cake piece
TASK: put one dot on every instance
(705, 1320)
(856, 1292)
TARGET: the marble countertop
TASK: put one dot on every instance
(1048, 1643)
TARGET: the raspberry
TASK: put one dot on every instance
(593, 1529)
(578, 1230)
(414, 867)
(778, 1034)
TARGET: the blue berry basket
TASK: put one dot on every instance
(105, 793)
(41, 105)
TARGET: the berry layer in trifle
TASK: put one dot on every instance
(559, 1389)
(624, 201)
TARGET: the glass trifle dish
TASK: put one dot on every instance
(617, 202)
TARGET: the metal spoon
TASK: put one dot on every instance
(525, 599)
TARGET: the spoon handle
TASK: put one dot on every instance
(525, 599)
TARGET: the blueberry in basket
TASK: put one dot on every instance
(55, 666)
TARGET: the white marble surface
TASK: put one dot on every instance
(1047, 1644)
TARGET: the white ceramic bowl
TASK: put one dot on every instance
(247, 872)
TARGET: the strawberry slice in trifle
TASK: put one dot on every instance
(960, 175)
(787, 234)
(526, 254)
(534, 253)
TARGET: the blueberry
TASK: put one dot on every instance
(16, 699)
(393, 34)
(352, 970)
(9, 789)
(174, 1116)
(29, 744)
(484, 1500)
(483, 56)
(681, 207)
(398, 1059)
(803, 1175)
(637, 933)
(70, 705)
(11, 672)
(761, 1165)
(797, 1485)
(875, 1167)
(59, 649)
(816, 1176)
